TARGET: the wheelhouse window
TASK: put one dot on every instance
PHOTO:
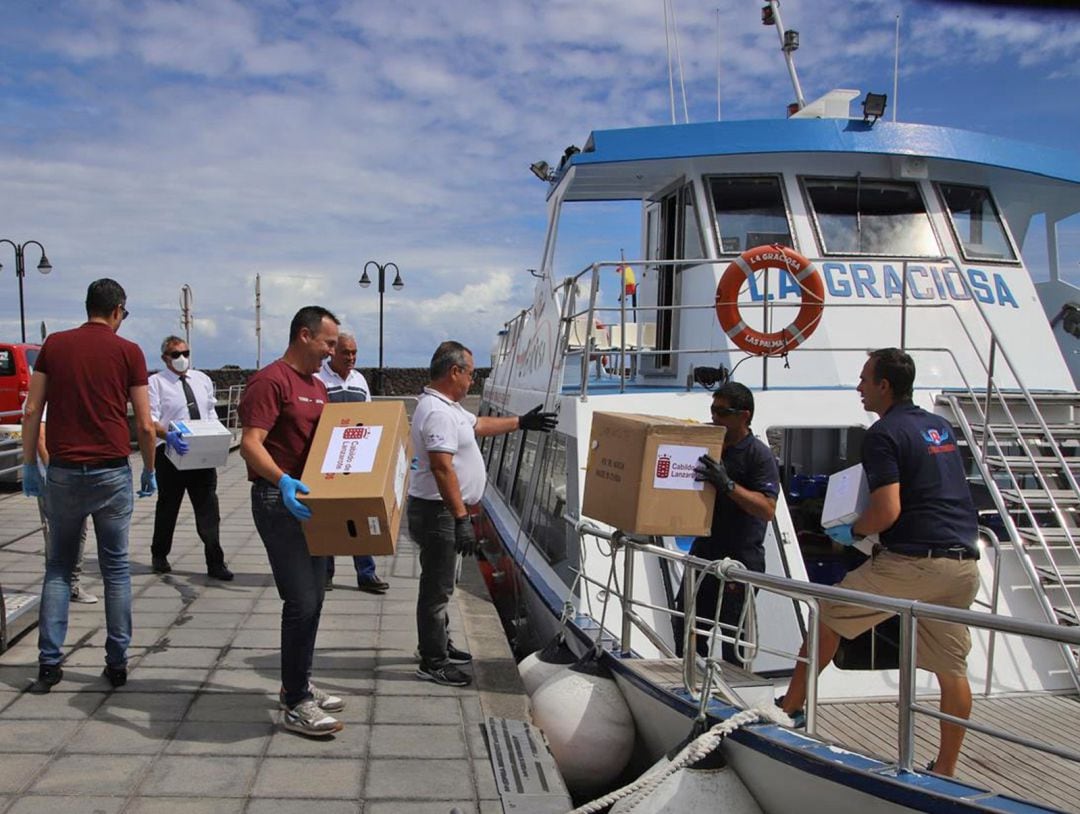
(750, 211)
(864, 216)
(976, 223)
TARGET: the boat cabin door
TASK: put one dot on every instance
(672, 232)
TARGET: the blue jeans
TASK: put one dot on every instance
(301, 583)
(432, 528)
(73, 495)
(365, 567)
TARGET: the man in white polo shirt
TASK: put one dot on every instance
(345, 383)
(449, 478)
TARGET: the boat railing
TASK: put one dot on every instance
(811, 594)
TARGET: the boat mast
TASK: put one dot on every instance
(789, 41)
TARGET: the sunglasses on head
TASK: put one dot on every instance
(176, 354)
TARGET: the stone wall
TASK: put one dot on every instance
(397, 381)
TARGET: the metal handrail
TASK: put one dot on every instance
(909, 611)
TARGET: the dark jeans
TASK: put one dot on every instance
(201, 487)
(432, 528)
(300, 580)
(364, 565)
(73, 495)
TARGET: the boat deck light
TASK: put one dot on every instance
(873, 106)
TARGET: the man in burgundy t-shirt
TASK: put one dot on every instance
(87, 376)
(278, 412)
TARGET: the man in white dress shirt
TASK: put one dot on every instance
(345, 383)
(180, 393)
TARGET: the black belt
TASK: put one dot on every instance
(108, 463)
(953, 553)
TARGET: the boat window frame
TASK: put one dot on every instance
(664, 364)
(820, 241)
(509, 466)
(706, 180)
(551, 443)
(1002, 261)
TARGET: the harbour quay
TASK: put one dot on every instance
(196, 728)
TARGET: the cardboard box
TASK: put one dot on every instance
(357, 470)
(639, 477)
(208, 443)
(846, 497)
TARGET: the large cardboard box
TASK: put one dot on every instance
(208, 443)
(639, 476)
(357, 470)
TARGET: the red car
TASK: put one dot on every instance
(16, 365)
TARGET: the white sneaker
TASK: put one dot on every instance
(307, 719)
(82, 596)
(326, 701)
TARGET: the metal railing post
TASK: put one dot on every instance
(906, 724)
(628, 598)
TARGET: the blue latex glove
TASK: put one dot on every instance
(845, 535)
(175, 441)
(31, 480)
(147, 484)
(288, 488)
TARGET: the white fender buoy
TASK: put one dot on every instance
(538, 667)
(588, 726)
(697, 787)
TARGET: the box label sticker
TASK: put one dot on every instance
(351, 449)
(674, 467)
(373, 526)
(399, 475)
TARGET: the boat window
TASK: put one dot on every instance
(861, 216)
(976, 223)
(546, 526)
(521, 487)
(750, 211)
(494, 459)
(508, 466)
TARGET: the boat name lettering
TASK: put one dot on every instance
(533, 357)
(924, 282)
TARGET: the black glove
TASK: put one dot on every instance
(536, 420)
(712, 471)
(464, 536)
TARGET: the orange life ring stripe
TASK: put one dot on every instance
(806, 321)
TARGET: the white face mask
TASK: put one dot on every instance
(181, 364)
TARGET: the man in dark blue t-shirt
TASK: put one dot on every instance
(747, 481)
(921, 508)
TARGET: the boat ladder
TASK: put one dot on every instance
(1026, 448)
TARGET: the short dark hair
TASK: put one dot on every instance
(736, 395)
(103, 297)
(897, 368)
(310, 317)
(446, 356)
(171, 340)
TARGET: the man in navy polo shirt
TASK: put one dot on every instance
(747, 481)
(921, 508)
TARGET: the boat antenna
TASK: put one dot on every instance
(678, 58)
(896, 70)
(789, 42)
(670, 67)
(718, 64)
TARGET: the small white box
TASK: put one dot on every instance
(846, 498)
(208, 443)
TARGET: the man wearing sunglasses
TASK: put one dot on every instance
(180, 393)
(747, 482)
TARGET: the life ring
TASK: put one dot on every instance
(806, 321)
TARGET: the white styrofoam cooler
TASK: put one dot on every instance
(208, 443)
(846, 497)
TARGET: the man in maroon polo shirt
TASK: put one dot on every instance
(278, 412)
(87, 376)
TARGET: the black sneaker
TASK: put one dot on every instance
(117, 675)
(160, 565)
(220, 572)
(372, 585)
(798, 719)
(455, 656)
(448, 676)
(49, 676)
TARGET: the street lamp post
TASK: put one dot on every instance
(365, 281)
(20, 271)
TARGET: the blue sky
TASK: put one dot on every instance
(165, 142)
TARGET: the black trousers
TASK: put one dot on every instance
(707, 597)
(201, 487)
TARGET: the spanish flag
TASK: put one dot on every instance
(631, 281)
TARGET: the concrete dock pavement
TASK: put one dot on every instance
(196, 727)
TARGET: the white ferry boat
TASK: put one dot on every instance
(911, 235)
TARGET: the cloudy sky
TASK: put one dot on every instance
(164, 142)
